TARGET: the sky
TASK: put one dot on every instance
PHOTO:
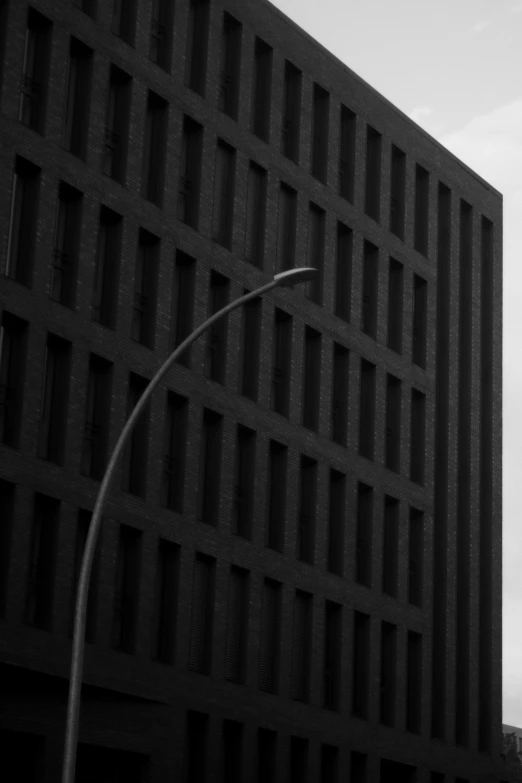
(455, 67)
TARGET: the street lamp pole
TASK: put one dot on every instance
(287, 279)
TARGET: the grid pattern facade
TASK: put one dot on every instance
(299, 571)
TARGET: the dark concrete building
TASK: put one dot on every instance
(299, 571)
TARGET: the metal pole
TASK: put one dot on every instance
(80, 611)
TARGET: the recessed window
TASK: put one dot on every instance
(413, 682)
(173, 473)
(124, 20)
(319, 141)
(372, 194)
(266, 755)
(190, 172)
(114, 158)
(333, 628)
(388, 673)
(363, 549)
(165, 602)
(276, 505)
(237, 625)
(305, 544)
(340, 376)
(390, 546)
(269, 636)
(361, 666)
(243, 508)
(392, 452)
(161, 22)
(417, 436)
(416, 557)
(261, 89)
(367, 409)
(183, 302)
(397, 191)
(395, 306)
(134, 479)
(420, 304)
(13, 349)
(145, 289)
(286, 228)
(76, 122)
(7, 504)
(316, 225)
(216, 349)
(347, 153)
(82, 530)
(107, 269)
(97, 415)
(196, 746)
(343, 272)
(336, 517)
(301, 646)
(290, 121)
(54, 399)
(197, 46)
(255, 215)
(35, 74)
(311, 378)
(21, 237)
(41, 570)
(250, 348)
(230, 66)
(154, 149)
(223, 208)
(422, 205)
(64, 269)
(210, 467)
(202, 615)
(281, 367)
(127, 590)
(370, 289)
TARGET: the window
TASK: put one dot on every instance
(127, 590)
(305, 549)
(173, 475)
(395, 289)
(21, 238)
(216, 350)
(340, 370)
(210, 467)
(42, 562)
(422, 205)
(361, 665)
(82, 530)
(417, 436)
(87, 6)
(413, 682)
(230, 66)
(281, 368)
(13, 350)
(298, 760)
(161, 22)
(197, 746)
(165, 602)
(183, 297)
(311, 378)
(55, 393)
(372, 195)
(347, 137)
(245, 482)
(107, 270)
(97, 417)
(237, 625)
(4, 14)
(329, 764)
(250, 348)
(116, 764)
(397, 191)
(232, 759)
(24, 752)
(266, 755)
(124, 20)
(420, 296)
(335, 542)
(154, 149)
(343, 272)
(114, 159)
(370, 289)
(66, 245)
(390, 548)
(388, 673)
(35, 75)
(269, 636)
(363, 551)
(276, 507)
(319, 141)
(197, 45)
(190, 172)
(76, 122)
(301, 647)
(7, 502)
(316, 222)
(333, 628)
(261, 89)
(223, 214)
(145, 288)
(392, 456)
(358, 765)
(135, 455)
(415, 557)
(200, 648)
(393, 770)
(367, 409)
(290, 120)
(286, 228)
(255, 215)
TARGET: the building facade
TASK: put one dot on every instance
(299, 570)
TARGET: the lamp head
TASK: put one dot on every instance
(291, 277)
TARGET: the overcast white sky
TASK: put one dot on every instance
(455, 67)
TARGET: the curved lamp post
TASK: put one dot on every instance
(288, 279)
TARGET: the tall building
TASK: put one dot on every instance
(299, 570)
